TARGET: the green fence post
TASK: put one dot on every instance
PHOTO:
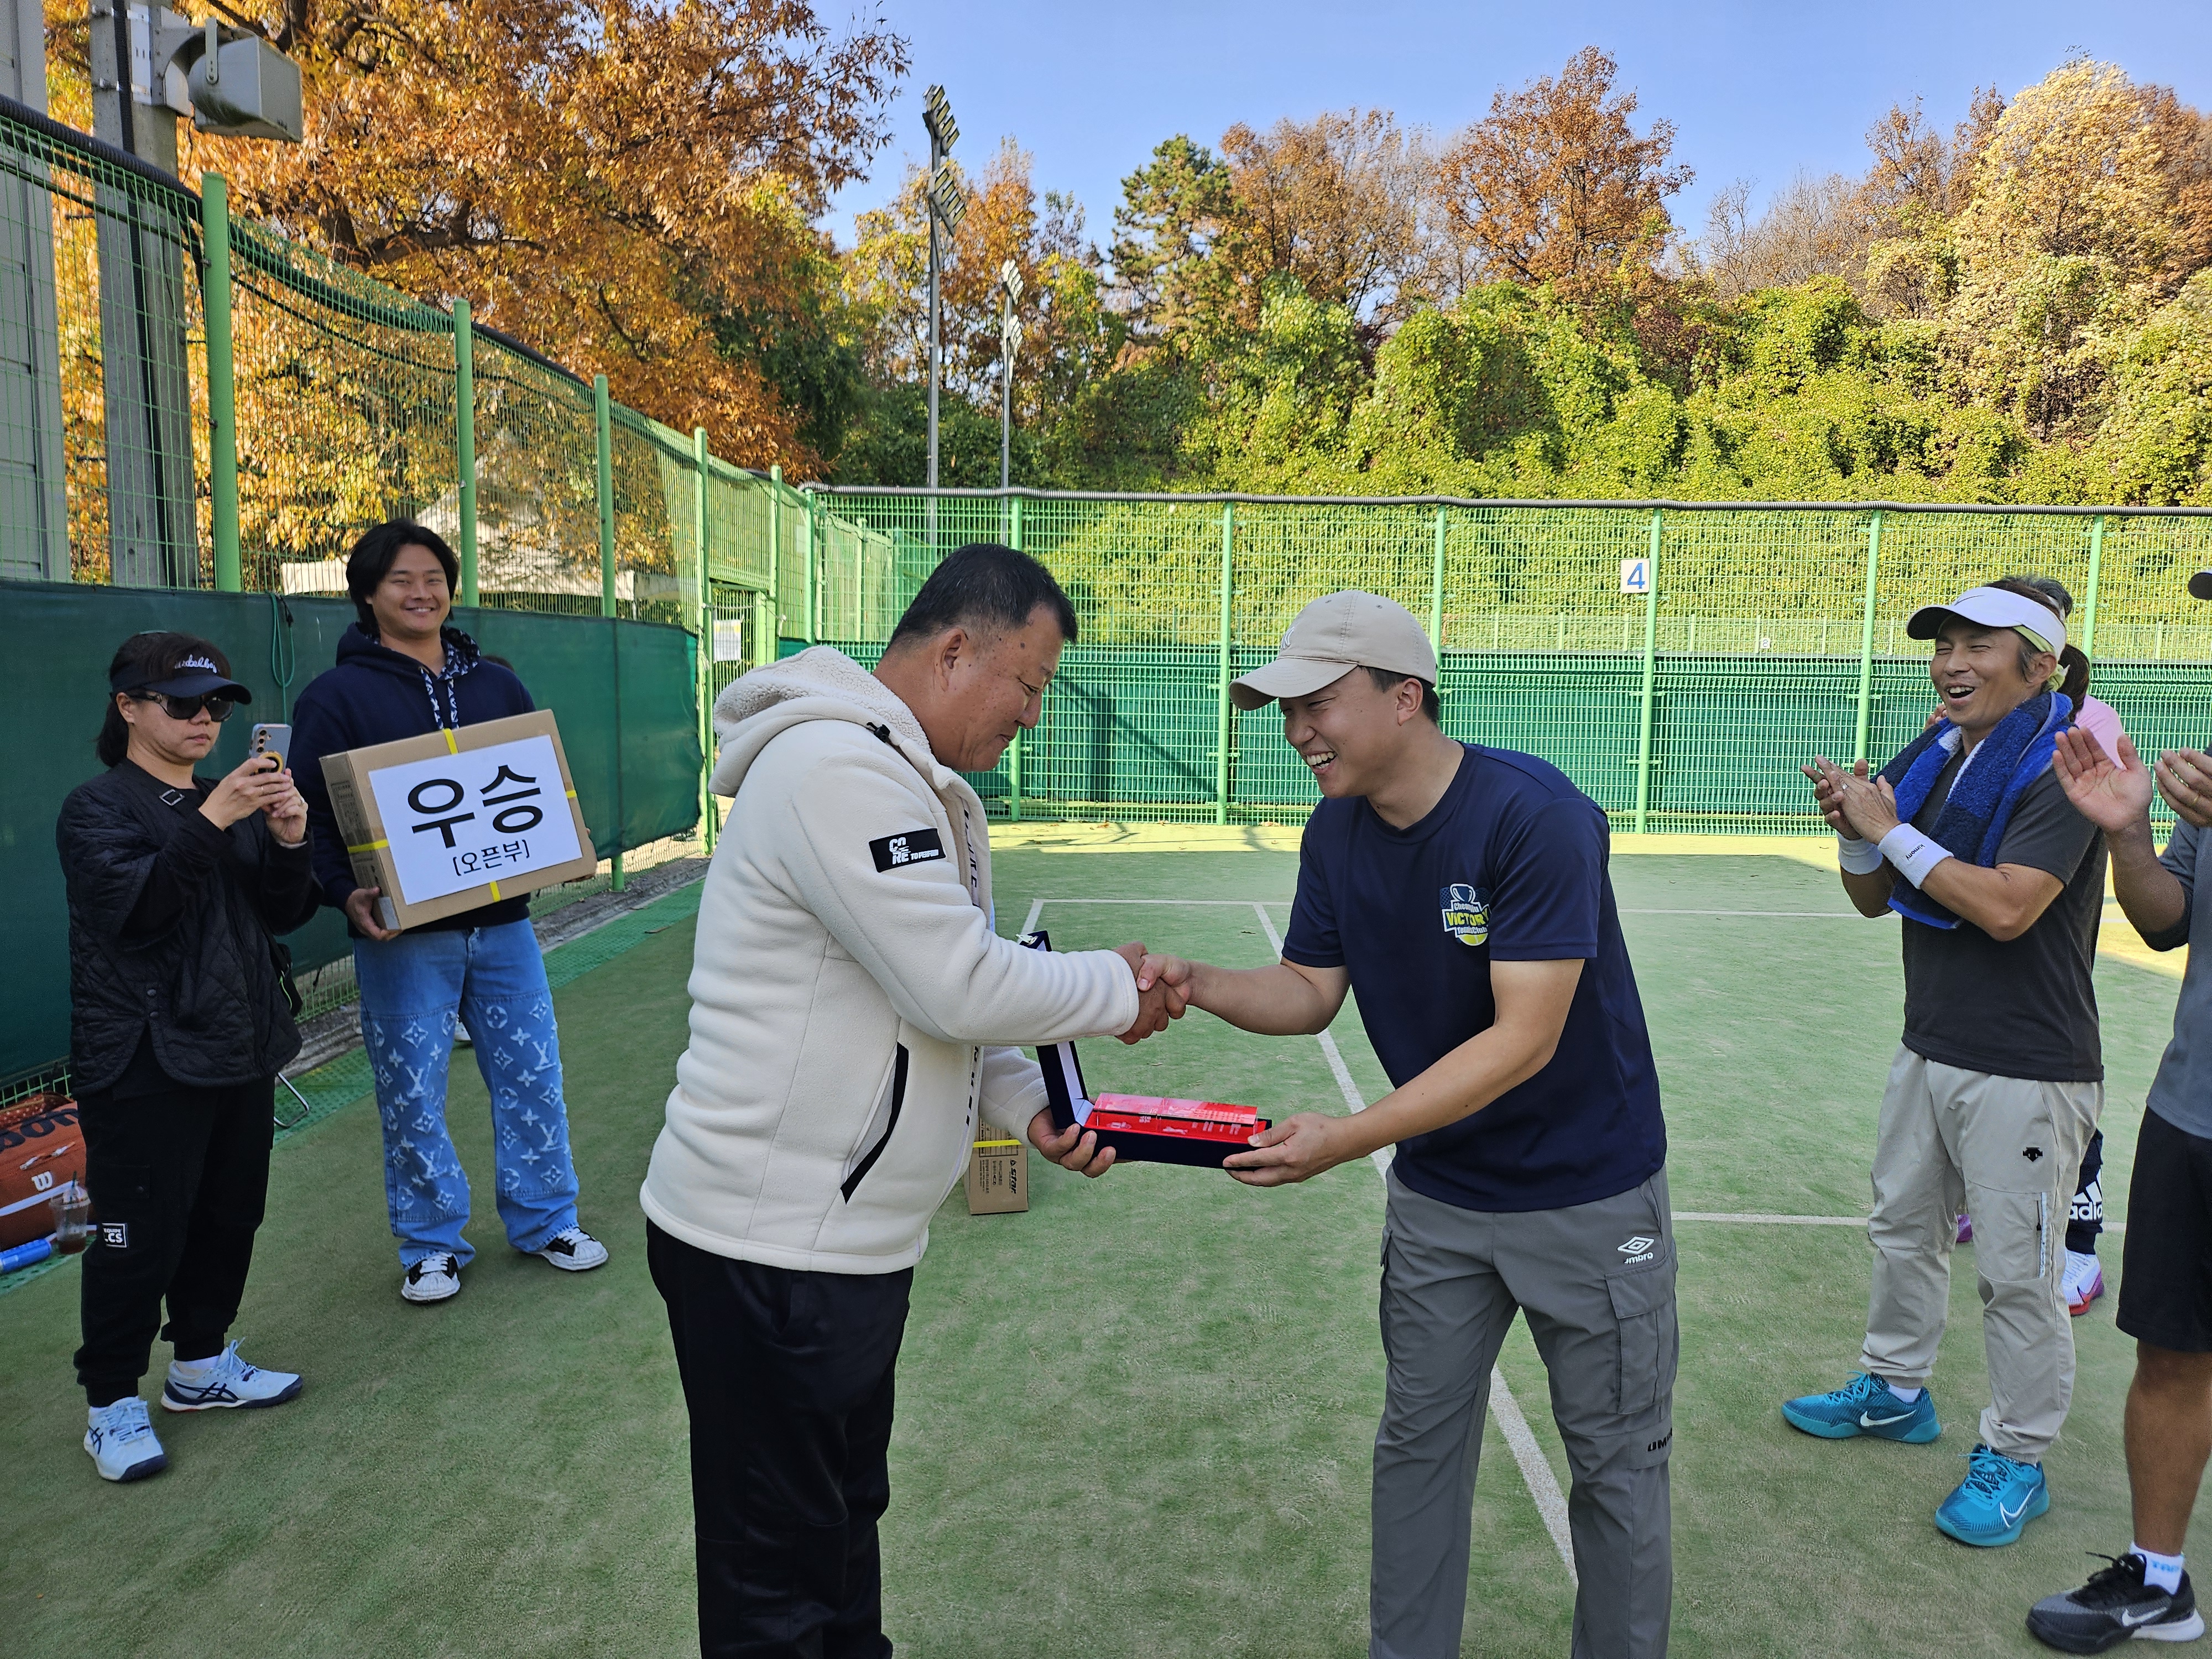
(1221, 728)
(813, 539)
(2096, 574)
(774, 549)
(465, 440)
(1650, 660)
(1436, 595)
(706, 633)
(1861, 732)
(1014, 754)
(602, 420)
(223, 390)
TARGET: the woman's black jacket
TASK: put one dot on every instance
(171, 925)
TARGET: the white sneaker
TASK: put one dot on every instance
(2083, 1282)
(433, 1279)
(121, 1441)
(574, 1250)
(461, 1038)
(225, 1380)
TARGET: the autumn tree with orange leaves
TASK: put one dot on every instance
(623, 184)
(1555, 185)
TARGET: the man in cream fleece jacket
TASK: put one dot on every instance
(852, 1011)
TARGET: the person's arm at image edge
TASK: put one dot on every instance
(2115, 792)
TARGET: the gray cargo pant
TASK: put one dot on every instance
(1597, 1282)
(2009, 1152)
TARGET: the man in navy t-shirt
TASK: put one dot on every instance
(1462, 893)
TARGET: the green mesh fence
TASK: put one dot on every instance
(1774, 632)
(99, 288)
(1764, 633)
(345, 411)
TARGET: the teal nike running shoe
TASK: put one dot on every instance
(1994, 1502)
(1865, 1406)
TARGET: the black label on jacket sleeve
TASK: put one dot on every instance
(914, 847)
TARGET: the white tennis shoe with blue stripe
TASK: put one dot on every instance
(225, 1382)
(122, 1441)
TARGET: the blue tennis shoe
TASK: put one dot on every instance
(1994, 1502)
(1865, 1406)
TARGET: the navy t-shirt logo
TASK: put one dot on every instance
(1467, 913)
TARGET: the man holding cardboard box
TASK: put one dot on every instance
(403, 674)
(852, 1007)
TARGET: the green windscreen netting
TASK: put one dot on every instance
(1774, 633)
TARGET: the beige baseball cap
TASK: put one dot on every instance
(1334, 634)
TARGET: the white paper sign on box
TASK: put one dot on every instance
(458, 821)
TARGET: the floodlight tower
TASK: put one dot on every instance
(948, 205)
(151, 66)
(1010, 341)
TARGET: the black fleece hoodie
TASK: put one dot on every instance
(377, 695)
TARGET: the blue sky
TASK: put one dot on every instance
(1757, 91)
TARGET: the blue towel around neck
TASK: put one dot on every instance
(1972, 822)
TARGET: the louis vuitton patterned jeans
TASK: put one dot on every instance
(413, 989)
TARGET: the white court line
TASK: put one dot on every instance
(1810, 1220)
(1822, 915)
(1036, 910)
(1177, 902)
(1535, 1468)
(1772, 1220)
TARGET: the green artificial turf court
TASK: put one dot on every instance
(1134, 1421)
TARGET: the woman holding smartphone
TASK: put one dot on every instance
(180, 1018)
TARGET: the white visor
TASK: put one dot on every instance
(1992, 607)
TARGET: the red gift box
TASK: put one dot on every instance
(1147, 1128)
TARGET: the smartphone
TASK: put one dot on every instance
(271, 740)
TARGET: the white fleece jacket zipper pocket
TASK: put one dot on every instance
(887, 1114)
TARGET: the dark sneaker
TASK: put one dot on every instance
(2116, 1606)
(574, 1250)
(434, 1279)
(1865, 1406)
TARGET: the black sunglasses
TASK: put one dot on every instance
(183, 708)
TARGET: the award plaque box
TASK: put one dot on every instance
(1145, 1128)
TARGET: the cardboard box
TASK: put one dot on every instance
(998, 1176)
(456, 819)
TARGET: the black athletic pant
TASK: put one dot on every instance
(178, 1180)
(787, 1376)
(2086, 1219)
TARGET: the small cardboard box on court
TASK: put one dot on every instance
(458, 819)
(998, 1176)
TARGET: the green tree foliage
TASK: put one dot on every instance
(2019, 312)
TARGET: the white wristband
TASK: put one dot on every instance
(1912, 853)
(1857, 858)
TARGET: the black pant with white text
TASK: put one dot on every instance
(178, 1180)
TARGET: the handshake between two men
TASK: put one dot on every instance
(1286, 999)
